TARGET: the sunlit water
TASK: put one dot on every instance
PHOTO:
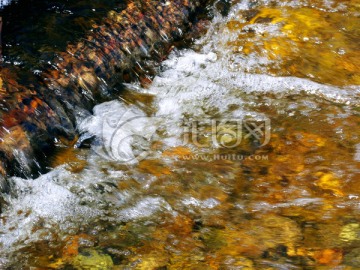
(238, 156)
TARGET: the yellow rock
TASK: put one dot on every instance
(187, 261)
(56, 265)
(328, 256)
(304, 42)
(154, 167)
(71, 157)
(241, 263)
(328, 181)
(92, 260)
(179, 151)
(350, 232)
(150, 261)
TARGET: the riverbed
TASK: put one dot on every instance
(243, 153)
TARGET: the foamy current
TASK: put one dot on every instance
(204, 84)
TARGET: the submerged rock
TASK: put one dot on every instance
(350, 232)
(90, 259)
(353, 258)
(310, 42)
(37, 114)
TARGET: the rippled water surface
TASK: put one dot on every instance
(34, 31)
(244, 153)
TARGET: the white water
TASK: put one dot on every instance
(195, 85)
(4, 3)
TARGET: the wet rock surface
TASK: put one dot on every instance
(116, 50)
(199, 201)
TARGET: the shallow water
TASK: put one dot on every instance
(242, 154)
(34, 31)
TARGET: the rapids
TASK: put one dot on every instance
(239, 155)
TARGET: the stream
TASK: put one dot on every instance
(243, 153)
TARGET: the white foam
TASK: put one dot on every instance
(196, 85)
(357, 153)
(209, 203)
(42, 201)
(194, 81)
(4, 3)
(144, 208)
(119, 128)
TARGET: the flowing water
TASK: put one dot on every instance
(34, 31)
(244, 153)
